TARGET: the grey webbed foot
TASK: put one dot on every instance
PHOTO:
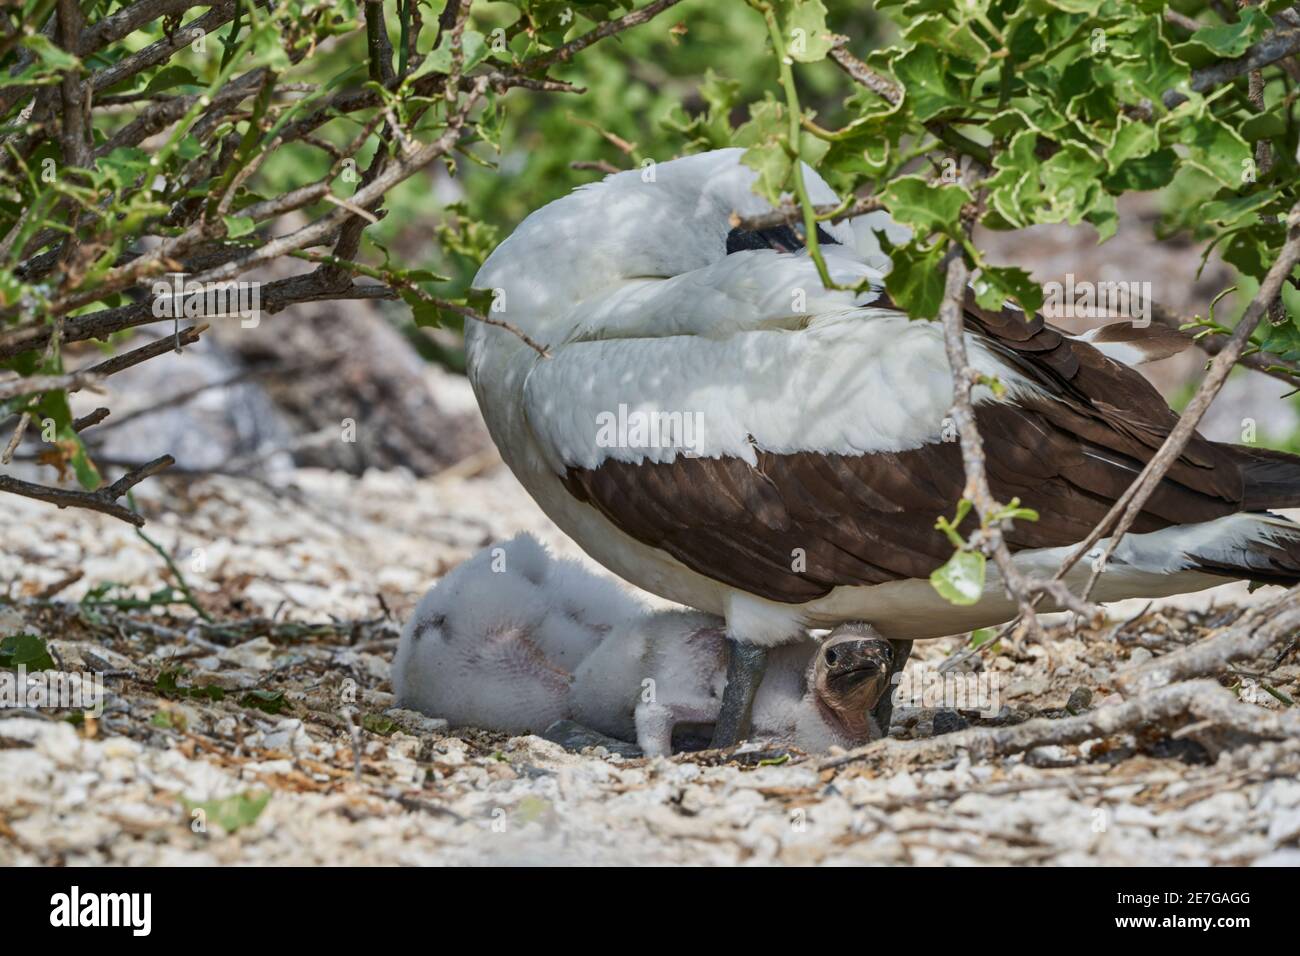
(744, 673)
(884, 709)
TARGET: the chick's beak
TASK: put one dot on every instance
(849, 662)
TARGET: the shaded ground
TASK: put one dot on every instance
(298, 703)
(271, 739)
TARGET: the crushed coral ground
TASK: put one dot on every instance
(269, 736)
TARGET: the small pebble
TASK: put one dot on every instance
(1139, 657)
(1080, 700)
(947, 721)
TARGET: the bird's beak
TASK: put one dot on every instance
(852, 660)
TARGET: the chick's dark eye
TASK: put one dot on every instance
(830, 658)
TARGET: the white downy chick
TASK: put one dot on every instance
(514, 640)
(668, 668)
(495, 642)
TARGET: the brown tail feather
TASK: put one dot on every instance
(1271, 478)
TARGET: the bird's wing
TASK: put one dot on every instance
(801, 459)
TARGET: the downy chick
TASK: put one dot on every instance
(495, 642)
(668, 668)
(514, 640)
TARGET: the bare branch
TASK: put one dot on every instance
(276, 296)
(32, 384)
(596, 165)
(884, 87)
(221, 13)
(790, 214)
(1270, 49)
(126, 21)
(89, 419)
(16, 439)
(379, 43)
(565, 53)
(161, 346)
(103, 500)
(988, 538)
(1212, 343)
(1168, 707)
(1253, 636)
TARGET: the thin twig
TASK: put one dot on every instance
(103, 500)
(565, 53)
(790, 213)
(1270, 49)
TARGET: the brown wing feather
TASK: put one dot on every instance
(794, 526)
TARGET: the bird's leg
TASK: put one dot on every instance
(884, 709)
(655, 723)
(744, 674)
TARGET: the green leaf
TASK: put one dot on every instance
(170, 77)
(237, 226)
(1263, 126)
(930, 83)
(1291, 299)
(765, 135)
(1144, 66)
(268, 47)
(928, 207)
(231, 813)
(1234, 211)
(997, 284)
(50, 54)
(1104, 216)
(1070, 185)
(378, 724)
(938, 31)
(1216, 148)
(1014, 191)
(424, 275)
(1247, 253)
(1226, 41)
(474, 49)
(961, 579)
(168, 684)
(29, 650)
(1144, 173)
(1131, 140)
(807, 38)
(268, 701)
(914, 281)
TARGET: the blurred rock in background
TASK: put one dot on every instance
(330, 385)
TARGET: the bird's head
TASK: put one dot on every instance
(851, 673)
(656, 222)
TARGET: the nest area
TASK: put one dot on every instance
(267, 733)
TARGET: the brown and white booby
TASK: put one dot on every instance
(716, 427)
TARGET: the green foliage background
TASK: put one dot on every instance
(1067, 103)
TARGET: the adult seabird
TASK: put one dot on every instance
(798, 462)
